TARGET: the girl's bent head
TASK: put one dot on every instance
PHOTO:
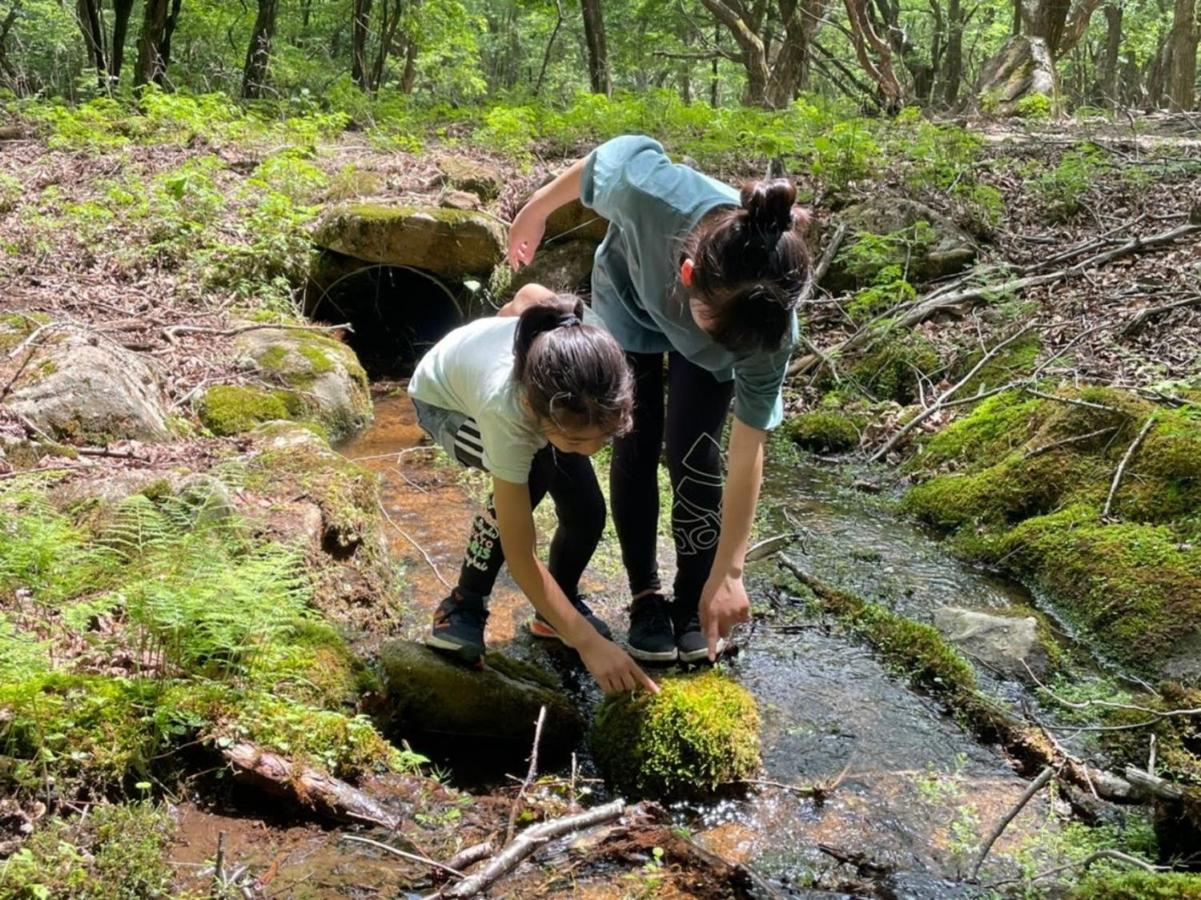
(745, 268)
(576, 378)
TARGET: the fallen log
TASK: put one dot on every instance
(325, 795)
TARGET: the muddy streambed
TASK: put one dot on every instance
(908, 790)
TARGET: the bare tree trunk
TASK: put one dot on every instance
(409, 77)
(122, 10)
(790, 70)
(87, 12)
(598, 52)
(714, 79)
(863, 34)
(953, 55)
(1113, 47)
(754, 51)
(153, 43)
(549, 46)
(12, 78)
(1184, 56)
(358, 52)
(258, 54)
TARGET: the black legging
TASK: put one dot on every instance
(580, 507)
(696, 409)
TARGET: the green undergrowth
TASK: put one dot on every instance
(115, 852)
(698, 735)
(1138, 885)
(131, 630)
(1022, 482)
(824, 431)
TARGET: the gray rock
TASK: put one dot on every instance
(945, 250)
(1184, 663)
(574, 221)
(1001, 642)
(82, 388)
(451, 243)
(471, 175)
(562, 266)
(323, 372)
(1020, 69)
(434, 696)
(208, 498)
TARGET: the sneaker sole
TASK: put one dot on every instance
(462, 651)
(702, 654)
(655, 655)
(546, 633)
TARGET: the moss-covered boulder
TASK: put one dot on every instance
(698, 735)
(564, 266)
(919, 242)
(323, 375)
(823, 431)
(890, 369)
(463, 173)
(227, 409)
(451, 243)
(574, 221)
(80, 387)
(1024, 482)
(431, 696)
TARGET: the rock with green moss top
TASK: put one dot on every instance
(1021, 69)
(322, 375)
(454, 244)
(890, 370)
(227, 409)
(697, 736)
(432, 696)
(310, 662)
(920, 242)
(471, 175)
(823, 431)
(80, 387)
(565, 266)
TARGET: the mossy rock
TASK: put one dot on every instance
(313, 664)
(228, 409)
(889, 370)
(322, 376)
(451, 243)
(823, 431)
(472, 175)
(563, 266)
(697, 736)
(433, 697)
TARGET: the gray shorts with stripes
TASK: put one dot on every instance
(455, 432)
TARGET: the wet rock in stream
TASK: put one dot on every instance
(1007, 643)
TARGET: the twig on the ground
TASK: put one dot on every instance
(1139, 319)
(424, 555)
(529, 775)
(1083, 864)
(768, 546)
(946, 395)
(171, 332)
(1071, 401)
(411, 857)
(1130, 451)
(823, 264)
(1033, 788)
(470, 856)
(529, 841)
(1075, 439)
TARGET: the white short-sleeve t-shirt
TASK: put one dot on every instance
(471, 371)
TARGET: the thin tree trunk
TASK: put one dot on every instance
(953, 55)
(550, 44)
(87, 12)
(1184, 56)
(361, 30)
(122, 10)
(714, 79)
(258, 54)
(598, 53)
(754, 51)
(1113, 48)
(6, 68)
(152, 58)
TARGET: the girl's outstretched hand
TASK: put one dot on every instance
(525, 234)
(613, 668)
(724, 604)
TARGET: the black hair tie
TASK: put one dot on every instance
(567, 320)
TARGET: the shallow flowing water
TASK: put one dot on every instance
(907, 790)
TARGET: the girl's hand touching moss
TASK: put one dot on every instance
(612, 667)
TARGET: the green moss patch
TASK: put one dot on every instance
(231, 409)
(823, 431)
(1138, 885)
(1029, 480)
(698, 734)
(890, 370)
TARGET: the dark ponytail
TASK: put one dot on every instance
(750, 265)
(574, 375)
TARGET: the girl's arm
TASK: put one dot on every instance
(611, 666)
(530, 222)
(724, 602)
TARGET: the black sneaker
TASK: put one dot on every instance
(459, 626)
(651, 637)
(539, 627)
(691, 642)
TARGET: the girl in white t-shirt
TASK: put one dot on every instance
(528, 396)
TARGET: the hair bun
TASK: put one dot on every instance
(769, 203)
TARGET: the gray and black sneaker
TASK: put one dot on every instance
(651, 636)
(691, 642)
(539, 627)
(459, 626)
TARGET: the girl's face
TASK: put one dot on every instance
(585, 441)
